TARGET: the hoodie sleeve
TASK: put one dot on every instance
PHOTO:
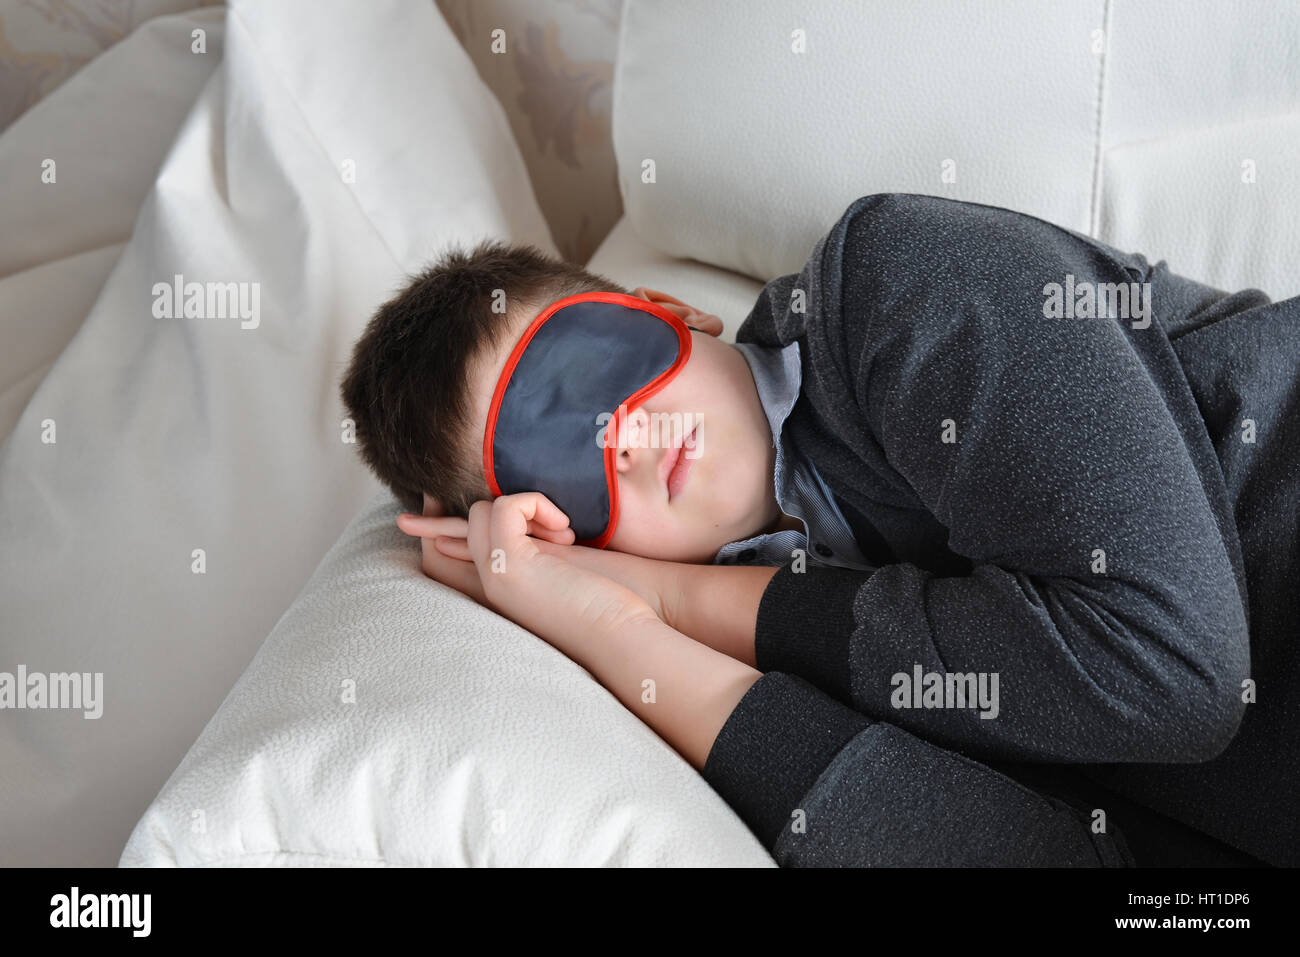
(821, 785)
(1068, 463)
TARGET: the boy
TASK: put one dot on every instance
(977, 459)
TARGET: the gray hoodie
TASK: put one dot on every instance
(1047, 446)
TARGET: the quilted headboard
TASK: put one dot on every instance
(1161, 127)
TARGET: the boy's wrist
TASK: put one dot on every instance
(697, 687)
(716, 605)
(654, 580)
(671, 584)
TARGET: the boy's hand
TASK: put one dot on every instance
(452, 571)
(454, 567)
(447, 559)
(525, 578)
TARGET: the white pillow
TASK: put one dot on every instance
(468, 741)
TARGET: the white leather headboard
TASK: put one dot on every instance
(1140, 122)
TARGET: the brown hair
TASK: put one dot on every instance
(407, 386)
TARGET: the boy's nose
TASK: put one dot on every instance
(637, 452)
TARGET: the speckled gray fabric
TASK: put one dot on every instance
(823, 786)
(1071, 442)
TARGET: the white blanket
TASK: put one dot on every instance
(173, 482)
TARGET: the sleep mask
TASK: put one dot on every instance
(582, 356)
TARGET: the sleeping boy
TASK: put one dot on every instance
(979, 546)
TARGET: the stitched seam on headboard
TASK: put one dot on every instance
(1094, 213)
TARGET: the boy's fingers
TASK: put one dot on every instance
(542, 511)
(709, 323)
(563, 536)
(453, 527)
(429, 526)
(456, 548)
(704, 321)
(661, 295)
(502, 521)
(447, 569)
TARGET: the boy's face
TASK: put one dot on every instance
(727, 493)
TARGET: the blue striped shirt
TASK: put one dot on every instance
(800, 490)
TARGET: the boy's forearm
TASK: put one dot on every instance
(717, 604)
(714, 604)
(694, 688)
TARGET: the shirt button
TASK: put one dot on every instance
(747, 555)
(823, 551)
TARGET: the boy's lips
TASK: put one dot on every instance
(676, 465)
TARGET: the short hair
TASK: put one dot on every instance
(407, 386)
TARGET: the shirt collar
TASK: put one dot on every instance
(777, 373)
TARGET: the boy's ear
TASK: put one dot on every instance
(703, 321)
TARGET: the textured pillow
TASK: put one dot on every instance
(389, 719)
